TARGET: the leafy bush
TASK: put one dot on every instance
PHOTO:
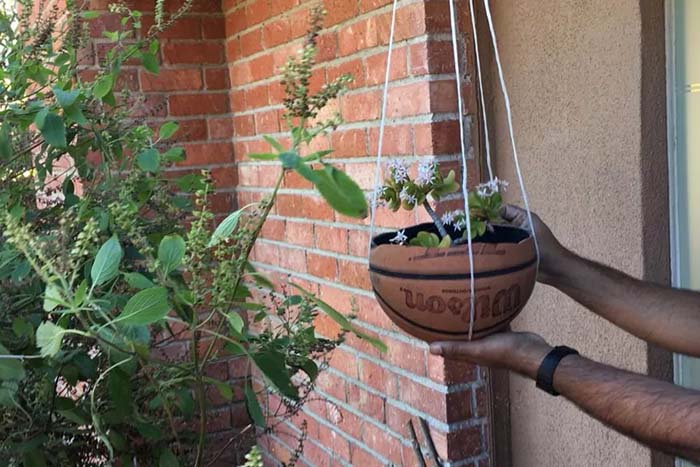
(106, 260)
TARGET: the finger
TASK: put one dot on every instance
(513, 214)
(453, 349)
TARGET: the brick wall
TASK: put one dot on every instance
(375, 394)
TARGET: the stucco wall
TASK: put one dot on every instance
(575, 73)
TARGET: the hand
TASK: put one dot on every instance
(519, 352)
(552, 253)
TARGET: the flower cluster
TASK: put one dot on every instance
(491, 187)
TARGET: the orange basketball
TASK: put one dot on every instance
(426, 291)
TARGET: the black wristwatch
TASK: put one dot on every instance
(545, 374)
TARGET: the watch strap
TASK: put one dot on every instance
(545, 374)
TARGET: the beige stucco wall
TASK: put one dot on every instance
(574, 70)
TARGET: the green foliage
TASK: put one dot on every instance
(96, 289)
(401, 191)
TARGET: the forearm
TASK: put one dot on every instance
(653, 412)
(667, 317)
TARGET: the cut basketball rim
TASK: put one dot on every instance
(454, 291)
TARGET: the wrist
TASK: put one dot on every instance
(555, 269)
(529, 358)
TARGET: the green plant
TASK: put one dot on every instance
(106, 263)
(400, 191)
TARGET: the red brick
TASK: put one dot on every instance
(354, 274)
(208, 153)
(411, 21)
(331, 238)
(327, 45)
(220, 128)
(293, 259)
(361, 106)
(216, 78)
(358, 243)
(276, 32)
(186, 79)
(354, 68)
(339, 11)
(257, 12)
(443, 96)
(398, 140)
(243, 125)
(190, 131)
(364, 458)
(376, 66)
(450, 371)
(303, 206)
(437, 16)
(345, 362)
(274, 230)
(349, 143)
(225, 177)
(382, 442)
(331, 385)
(198, 104)
(452, 407)
(280, 6)
(299, 233)
(195, 53)
(257, 96)
(235, 22)
(188, 27)
(379, 378)
(267, 122)
(409, 100)
(333, 441)
(261, 67)
(366, 402)
(431, 57)
(369, 5)
(213, 27)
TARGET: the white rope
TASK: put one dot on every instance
(465, 190)
(509, 114)
(487, 140)
(378, 168)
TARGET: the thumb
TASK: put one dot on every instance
(457, 349)
(514, 215)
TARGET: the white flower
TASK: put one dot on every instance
(407, 197)
(400, 237)
(460, 225)
(399, 170)
(426, 172)
(377, 197)
(491, 187)
(448, 218)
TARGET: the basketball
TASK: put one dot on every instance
(426, 291)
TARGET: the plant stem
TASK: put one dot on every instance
(436, 219)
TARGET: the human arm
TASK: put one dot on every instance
(656, 413)
(661, 315)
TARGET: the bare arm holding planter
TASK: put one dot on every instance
(653, 412)
(659, 414)
(669, 318)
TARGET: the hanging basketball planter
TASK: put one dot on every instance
(465, 275)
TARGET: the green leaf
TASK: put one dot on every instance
(271, 364)
(75, 114)
(106, 264)
(263, 157)
(54, 130)
(310, 368)
(138, 281)
(111, 35)
(40, 117)
(5, 143)
(146, 307)
(167, 459)
(89, 14)
(445, 242)
(167, 130)
(76, 416)
(103, 86)
(290, 160)
(254, 409)
(52, 297)
(174, 155)
(306, 172)
(153, 46)
(226, 228)
(274, 143)
(11, 369)
(148, 160)
(34, 458)
(317, 155)
(236, 322)
(119, 387)
(65, 98)
(150, 62)
(49, 338)
(341, 192)
(171, 252)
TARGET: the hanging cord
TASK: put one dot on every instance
(378, 168)
(465, 190)
(481, 90)
(509, 114)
